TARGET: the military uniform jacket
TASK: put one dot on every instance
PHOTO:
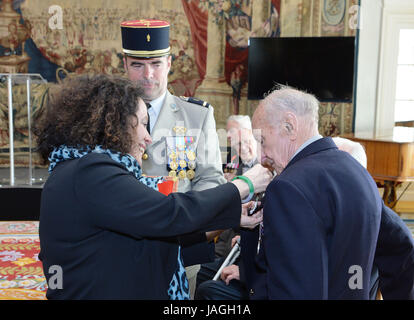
(198, 121)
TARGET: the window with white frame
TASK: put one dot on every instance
(404, 95)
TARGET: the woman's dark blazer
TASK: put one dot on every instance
(114, 237)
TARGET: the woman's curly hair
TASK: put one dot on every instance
(88, 110)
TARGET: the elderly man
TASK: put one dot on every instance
(322, 211)
(393, 270)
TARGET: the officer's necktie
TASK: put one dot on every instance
(148, 123)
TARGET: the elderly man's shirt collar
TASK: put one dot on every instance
(307, 142)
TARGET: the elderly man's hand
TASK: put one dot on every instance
(234, 240)
(230, 273)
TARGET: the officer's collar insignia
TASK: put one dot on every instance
(180, 130)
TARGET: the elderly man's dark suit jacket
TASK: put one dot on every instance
(393, 261)
(321, 219)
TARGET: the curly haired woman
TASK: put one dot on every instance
(106, 226)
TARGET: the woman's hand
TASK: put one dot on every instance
(252, 221)
(260, 177)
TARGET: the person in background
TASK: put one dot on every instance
(242, 144)
(241, 140)
(393, 272)
(104, 223)
(242, 158)
(355, 149)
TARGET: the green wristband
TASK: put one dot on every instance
(247, 180)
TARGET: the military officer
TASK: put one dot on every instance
(183, 130)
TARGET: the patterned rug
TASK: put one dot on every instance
(21, 272)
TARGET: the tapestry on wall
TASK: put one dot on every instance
(209, 42)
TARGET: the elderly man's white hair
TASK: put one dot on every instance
(243, 121)
(355, 149)
(285, 98)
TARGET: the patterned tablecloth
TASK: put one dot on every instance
(21, 272)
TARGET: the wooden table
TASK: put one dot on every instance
(390, 158)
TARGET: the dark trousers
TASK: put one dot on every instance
(208, 289)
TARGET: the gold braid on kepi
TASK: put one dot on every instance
(196, 101)
(145, 38)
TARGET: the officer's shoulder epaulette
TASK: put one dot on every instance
(195, 101)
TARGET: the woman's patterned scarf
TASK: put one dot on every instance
(178, 289)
